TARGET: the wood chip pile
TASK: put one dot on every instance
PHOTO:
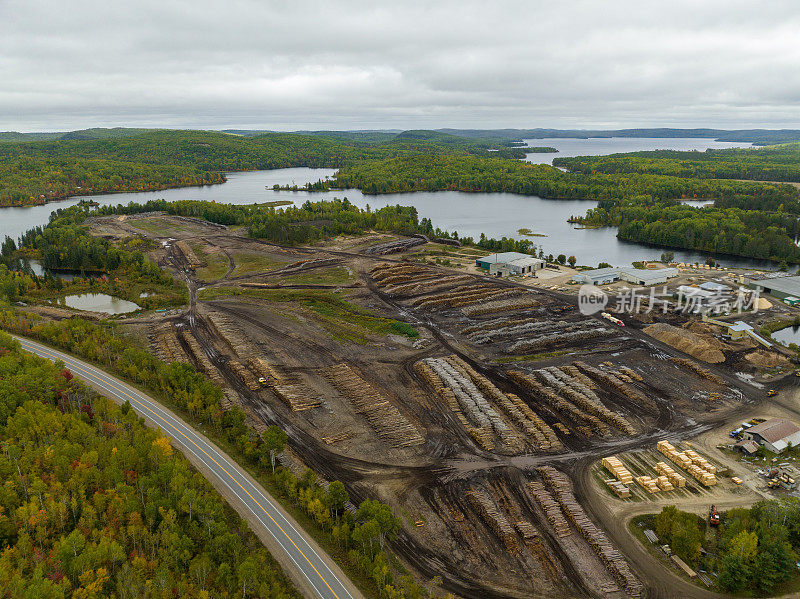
(561, 489)
(382, 415)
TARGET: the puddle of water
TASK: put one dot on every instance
(100, 302)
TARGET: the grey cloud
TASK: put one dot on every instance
(337, 64)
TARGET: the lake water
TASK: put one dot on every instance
(100, 302)
(787, 336)
(601, 146)
(495, 214)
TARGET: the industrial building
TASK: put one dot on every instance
(780, 287)
(637, 276)
(510, 263)
(775, 434)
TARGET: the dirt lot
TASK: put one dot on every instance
(448, 395)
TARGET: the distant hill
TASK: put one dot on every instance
(95, 133)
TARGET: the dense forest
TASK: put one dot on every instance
(774, 163)
(38, 171)
(425, 172)
(753, 550)
(96, 505)
(736, 232)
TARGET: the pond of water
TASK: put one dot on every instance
(100, 302)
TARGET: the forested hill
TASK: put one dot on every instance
(38, 171)
(772, 163)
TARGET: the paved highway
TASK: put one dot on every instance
(308, 565)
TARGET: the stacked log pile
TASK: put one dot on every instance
(561, 489)
(482, 417)
(699, 370)
(205, 364)
(586, 423)
(521, 302)
(393, 247)
(382, 415)
(244, 374)
(167, 346)
(494, 518)
(551, 509)
(562, 332)
(188, 253)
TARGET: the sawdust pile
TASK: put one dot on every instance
(765, 359)
(699, 347)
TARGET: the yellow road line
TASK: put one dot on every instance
(161, 418)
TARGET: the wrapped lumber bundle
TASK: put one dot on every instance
(619, 489)
(678, 457)
(700, 461)
(664, 484)
(611, 558)
(615, 466)
(704, 478)
(383, 416)
(648, 484)
(491, 515)
(665, 470)
(550, 507)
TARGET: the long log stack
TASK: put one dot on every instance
(561, 489)
(383, 416)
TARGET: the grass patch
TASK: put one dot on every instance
(217, 262)
(335, 275)
(158, 227)
(533, 357)
(247, 263)
(342, 320)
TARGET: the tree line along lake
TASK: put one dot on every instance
(470, 214)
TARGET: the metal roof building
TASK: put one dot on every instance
(780, 287)
(510, 263)
(638, 276)
(775, 434)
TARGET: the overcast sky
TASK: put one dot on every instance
(67, 64)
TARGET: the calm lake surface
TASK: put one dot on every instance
(601, 146)
(787, 336)
(495, 214)
(100, 302)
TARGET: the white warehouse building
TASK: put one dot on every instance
(637, 276)
(510, 263)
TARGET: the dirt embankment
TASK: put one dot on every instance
(697, 346)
